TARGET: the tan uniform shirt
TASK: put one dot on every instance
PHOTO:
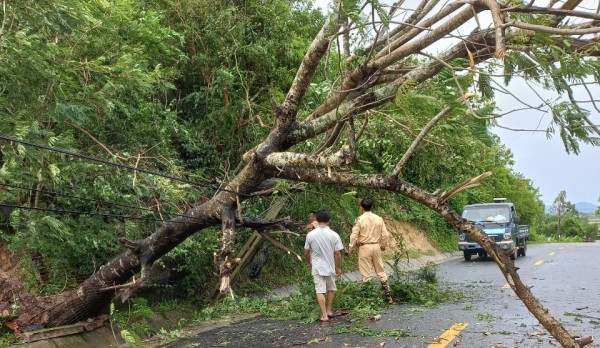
(369, 228)
(312, 225)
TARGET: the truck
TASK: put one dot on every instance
(500, 222)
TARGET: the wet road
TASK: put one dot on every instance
(565, 278)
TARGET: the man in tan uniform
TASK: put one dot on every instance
(312, 221)
(370, 236)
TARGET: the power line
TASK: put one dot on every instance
(125, 166)
(92, 200)
(73, 212)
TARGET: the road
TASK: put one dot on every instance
(564, 278)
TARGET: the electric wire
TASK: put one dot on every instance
(94, 200)
(74, 212)
(124, 166)
(123, 217)
(99, 160)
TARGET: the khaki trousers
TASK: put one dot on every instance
(369, 255)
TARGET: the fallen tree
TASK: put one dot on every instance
(368, 79)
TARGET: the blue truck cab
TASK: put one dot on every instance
(499, 220)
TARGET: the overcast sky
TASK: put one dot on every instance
(543, 160)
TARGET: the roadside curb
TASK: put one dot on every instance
(355, 277)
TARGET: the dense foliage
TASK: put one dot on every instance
(185, 87)
(564, 223)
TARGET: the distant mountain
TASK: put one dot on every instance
(582, 207)
(585, 207)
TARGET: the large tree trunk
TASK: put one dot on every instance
(89, 298)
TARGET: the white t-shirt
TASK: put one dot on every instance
(322, 243)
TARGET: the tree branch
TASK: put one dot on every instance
(386, 60)
(386, 93)
(550, 30)
(264, 224)
(362, 74)
(280, 246)
(467, 184)
(227, 240)
(418, 139)
(498, 19)
(424, 8)
(96, 141)
(400, 38)
(581, 111)
(307, 69)
(281, 159)
(551, 11)
(333, 137)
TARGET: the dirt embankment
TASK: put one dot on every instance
(409, 237)
(8, 263)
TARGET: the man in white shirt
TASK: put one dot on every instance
(322, 252)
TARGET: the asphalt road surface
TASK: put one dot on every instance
(565, 278)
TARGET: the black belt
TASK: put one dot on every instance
(361, 244)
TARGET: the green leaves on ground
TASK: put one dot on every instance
(360, 299)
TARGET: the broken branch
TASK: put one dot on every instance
(279, 245)
(467, 184)
(411, 149)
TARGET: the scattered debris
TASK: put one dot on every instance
(60, 331)
(537, 333)
(375, 317)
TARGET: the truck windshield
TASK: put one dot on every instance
(487, 214)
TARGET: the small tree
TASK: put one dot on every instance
(590, 231)
(561, 208)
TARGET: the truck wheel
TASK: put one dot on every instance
(467, 255)
(524, 249)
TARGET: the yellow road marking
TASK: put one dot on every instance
(506, 286)
(552, 253)
(448, 336)
(538, 263)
